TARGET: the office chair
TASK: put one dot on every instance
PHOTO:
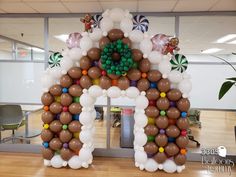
(11, 118)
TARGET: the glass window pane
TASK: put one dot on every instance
(5, 50)
(23, 52)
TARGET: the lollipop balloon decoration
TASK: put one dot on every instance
(54, 59)
(118, 62)
(96, 20)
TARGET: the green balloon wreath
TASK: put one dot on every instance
(117, 66)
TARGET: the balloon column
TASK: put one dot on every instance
(118, 59)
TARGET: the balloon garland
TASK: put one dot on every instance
(116, 58)
(54, 59)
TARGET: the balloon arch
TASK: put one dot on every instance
(116, 57)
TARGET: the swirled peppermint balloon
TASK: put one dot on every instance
(73, 40)
(140, 22)
(54, 59)
(96, 21)
(179, 62)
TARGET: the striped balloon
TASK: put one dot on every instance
(54, 59)
(96, 20)
(140, 22)
(179, 62)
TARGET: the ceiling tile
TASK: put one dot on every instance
(156, 6)
(224, 5)
(194, 5)
(16, 7)
(48, 7)
(78, 0)
(130, 5)
(41, 0)
(1, 11)
(83, 7)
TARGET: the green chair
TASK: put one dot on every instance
(11, 118)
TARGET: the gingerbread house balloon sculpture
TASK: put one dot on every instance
(117, 59)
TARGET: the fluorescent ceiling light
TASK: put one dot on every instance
(226, 38)
(62, 37)
(37, 50)
(232, 42)
(211, 50)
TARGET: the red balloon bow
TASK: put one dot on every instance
(88, 22)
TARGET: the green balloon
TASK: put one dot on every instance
(76, 99)
(151, 138)
(162, 113)
(64, 127)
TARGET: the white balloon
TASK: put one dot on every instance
(57, 161)
(75, 54)
(155, 57)
(96, 34)
(140, 119)
(66, 64)
(114, 92)
(46, 162)
(185, 86)
(165, 68)
(140, 138)
(85, 155)
(179, 169)
(140, 157)
(175, 76)
(55, 72)
(106, 25)
(74, 162)
(169, 166)
(146, 47)
(151, 165)
(117, 14)
(132, 92)
(126, 25)
(85, 136)
(95, 91)
(86, 43)
(86, 100)
(136, 36)
(85, 118)
(141, 102)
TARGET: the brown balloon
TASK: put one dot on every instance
(152, 94)
(154, 75)
(150, 148)
(94, 72)
(127, 41)
(162, 122)
(75, 144)
(75, 72)
(182, 141)
(161, 140)
(74, 126)
(47, 99)
(182, 123)
(46, 135)
(66, 81)
(152, 111)
(55, 126)
(55, 144)
(134, 74)
(174, 95)
(183, 104)
(65, 136)
(66, 99)
(55, 107)
(94, 53)
(103, 42)
(85, 63)
(65, 117)
(171, 149)
(151, 130)
(163, 103)
(143, 84)
(47, 117)
(85, 82)
(172, 131)
(137, 55)
(66, 154)
(75, 108)
(160, 157)
(56, 90)
(113, 76)
(115, 34)
(144, 65)
(123, 83)
(180, 159)
(163, 85)
(105, 82)
(75, 90)
(47, 153)
(173, 113)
